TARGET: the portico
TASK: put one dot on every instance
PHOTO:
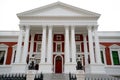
(52, 20)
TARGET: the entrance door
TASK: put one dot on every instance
(58, 64)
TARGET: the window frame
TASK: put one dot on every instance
(78, 43)
(102, 48)
(4, 47)
(37, 47)
(59, 43)
(58, 37)
(14, 48)
(77, 37)
(114, 47)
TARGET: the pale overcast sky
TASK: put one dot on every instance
(109, 10)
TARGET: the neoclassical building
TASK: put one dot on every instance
(56, 37)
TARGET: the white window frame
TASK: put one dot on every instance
(77, 37)
(4, 47)
(114, 47)
(59, 43)
(102, 48)
(14, 48)
(37, 47)
(60, 36)
(78, 43)
(13, 52)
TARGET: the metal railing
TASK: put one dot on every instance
(13, 77)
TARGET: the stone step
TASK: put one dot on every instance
(56, 76)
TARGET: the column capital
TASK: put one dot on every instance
(21, 27)
(66, 27)
(32, 33)
(50, 26)
(27, 27)
(95, 27)
(85, 34)
(44, 26)
(89, 27)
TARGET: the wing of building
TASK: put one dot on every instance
(57, 36)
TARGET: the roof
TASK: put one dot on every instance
(58, 9)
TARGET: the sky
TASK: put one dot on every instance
(109, 10)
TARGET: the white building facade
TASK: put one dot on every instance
(56, 37)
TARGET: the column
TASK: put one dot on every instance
(32, 44)
(50, 45)
(73, 44)
(67, 46)
(26, 42)
(43, 48)
(97, 46)
(85, 49)
(19, 45)
(91, 51)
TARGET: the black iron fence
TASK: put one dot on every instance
(72, 76)
(13, 77)
(39, 77)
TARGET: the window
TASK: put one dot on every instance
(58, 37)
(102, 57)
(115, 57)
(3, 53)
(77, 47)
(2, 57)
(14, 56)
(77, 37)
(39, 37)
(39, 47)
(115, 54)
(59, 48)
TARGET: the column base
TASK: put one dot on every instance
(70, 68)
(45, 68)
(31, 74)
(95, 69)
(80, 74)
(19, 68)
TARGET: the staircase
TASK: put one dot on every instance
(56, 76)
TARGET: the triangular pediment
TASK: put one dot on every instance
(115, 46)
(58, 9)
(3, 45)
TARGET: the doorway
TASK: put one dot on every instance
(58, 64)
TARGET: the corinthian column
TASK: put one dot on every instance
(67, 46)
(73, 44)
(19, 45)
(85, 49)
(91, 51)
(97, 46)
(49, 47)
(26, 42)
(43, 48)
